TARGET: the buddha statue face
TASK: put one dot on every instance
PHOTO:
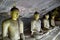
(15, 14)
(36, 16)
(53, 17)
(47, 16)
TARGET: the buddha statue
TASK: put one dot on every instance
(35, 24)
(13, 27)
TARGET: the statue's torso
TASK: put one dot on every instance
(52, 22)
(47, 25)
(37, 25)
(13, 29)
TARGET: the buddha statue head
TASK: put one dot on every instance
(36, 16)
(53, 17)
(47, 16)
(14, 13)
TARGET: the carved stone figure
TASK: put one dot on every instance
(35, 24)
(12, 27)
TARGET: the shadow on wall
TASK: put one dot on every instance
(3, 16)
